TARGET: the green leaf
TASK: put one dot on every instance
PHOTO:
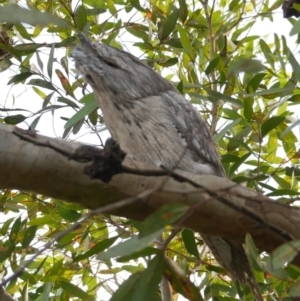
(273, 92)
(213, 64)
(111, 7)
(228, 158)
(50, 62)
(80, 17)
(5, 64)
(294, 289)
(15, 231)
(255, 82)
(232, 114)
(99, 247)
(217, 96)
(185, 41)
(67, 42)
(95, 11)
(138, 33)
(127, 288)
(47, 100)
(169, 25)
(14, 119)
(39, 92)
(222, 133)
(41, 221)
(166, 215)
(6, 254)
(168, 63)
(35, 122)
(296, 28)
(173, 43)
(65, 64)
(287, 130)
(41, 83)
(147, 285)
(93, 117)
(29, 236)
(86, 110)
(66, 132)
(77, 126)
(46, 292)
(5, 226)
(22, 31)
(183, 10)
(19, 78)
(281, 182)
(74, 290)
(222, 44)
(68, 101)
(143, 253)
(136, 4)
(251, 251)
(68, 214)
(11, 50)
(245, 65)
(181, 283)
(88, 98)
(14, 14)
(57, 268)
(295, 65)
(239, 31)
(190, 242)
(130, 246)
(39, 61)
(66, 239)
(283, 255)
(282, 192)
(25, 49)
(267, 52)
(270, 124)
(236, 142)
(248, 108)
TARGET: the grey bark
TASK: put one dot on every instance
(153, 123)
(220, 207)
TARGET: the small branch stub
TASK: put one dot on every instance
(106, 162)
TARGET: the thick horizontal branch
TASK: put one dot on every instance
(220, 207)
(30, 167)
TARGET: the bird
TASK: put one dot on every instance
(4, 296)
(154, 124)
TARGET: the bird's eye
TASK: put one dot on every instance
(110, 62)
(89, 79)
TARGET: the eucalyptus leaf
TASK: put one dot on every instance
(15, 14)
(130, 246)
(50, 62)
(169, 24)
(86, 110)
(166, 215)
(283, 255)
(271, 124)
(245, 65)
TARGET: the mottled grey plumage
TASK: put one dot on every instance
(153, 123)
(134, 98)
(4, 296)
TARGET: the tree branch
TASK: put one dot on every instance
(220, 207)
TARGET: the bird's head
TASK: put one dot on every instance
(110, 70)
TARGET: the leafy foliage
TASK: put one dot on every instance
(244, 85)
